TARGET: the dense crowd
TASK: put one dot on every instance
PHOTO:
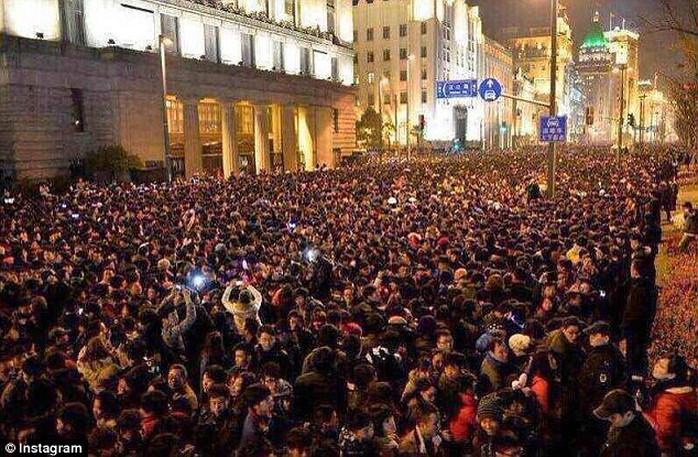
(438, 307)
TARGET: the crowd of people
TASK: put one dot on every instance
(436, 307)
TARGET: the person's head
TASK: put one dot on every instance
(687, 207)
(670, 367)
(618, 407)
(298, 442)
(490, 414)
(128, 423)
(453, 362)
(444, 340)
(213, 374)
(96, 349)
(498, 349)
(218, 399)
(571, 328)
(106, 405)
(72, 421)
(154, 402)
(266, 338)
(426, 390)
(177, 377)
(259, 400)
(359, 423)
(599, 333)
(383, 420)
(507, 446)
(242, 356)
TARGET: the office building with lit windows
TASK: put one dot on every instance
(403, 47)
(252, 85)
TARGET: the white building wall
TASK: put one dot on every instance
(26, 18)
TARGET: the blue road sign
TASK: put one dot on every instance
(553, 128)
(456, 89)
(490, 90)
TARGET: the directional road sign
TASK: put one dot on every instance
(490, 90)
(553, 128)
(456, 89)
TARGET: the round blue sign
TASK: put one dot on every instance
(490, 90)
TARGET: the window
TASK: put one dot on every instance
(290, 7)
(335, 68)
(403, 75)
(370, 77)
(386, 100)
(424, 28)
(211, 43)
(356, 36)
(306, 61)
(424, 74)
(369, 57)
(247, 49)
(369, 34)
(77, 110)
(356, 59)
(403, 98)
(386, 32)
(386, 55)
(424, 51)
(403, 30)
(170, 29)
(335, 119)
(424, 96)
(279, 56)
(403, 53)
(371, 99)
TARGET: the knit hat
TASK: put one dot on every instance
(490, 406)
(519, 343)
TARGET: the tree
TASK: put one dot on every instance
(369, 129)
(680, 18)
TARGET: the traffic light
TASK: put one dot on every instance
(590, 115)
(631, 120)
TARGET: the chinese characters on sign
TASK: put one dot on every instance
(553, 128)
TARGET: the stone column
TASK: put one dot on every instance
(289, 139)
(325, 131)
(193, 162)
(261, 137)
(231, 160)
(311, 146)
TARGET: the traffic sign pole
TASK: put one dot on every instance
(551, 158)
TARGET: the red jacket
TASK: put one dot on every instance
(464, 423)
(665, 414)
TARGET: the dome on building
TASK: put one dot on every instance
(595, 38)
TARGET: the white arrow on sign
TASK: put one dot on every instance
(489, 83)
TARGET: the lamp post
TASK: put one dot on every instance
(382, 81)
(642, 118)
(623, 68)
(163, 43)
(410, 58)
(552, 156)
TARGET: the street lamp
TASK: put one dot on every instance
(552, 156)
(410, 58)
(165, 42)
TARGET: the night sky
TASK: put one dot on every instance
(656, 49)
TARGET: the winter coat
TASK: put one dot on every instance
(641, 306)
(173, 329)
(241, 311)
(463, 424)
(637, 439)
(98, 371)
(313, 388)
(665, 414)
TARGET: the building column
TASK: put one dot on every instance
(193, 162)
(261, 137)
(289, 140)
(325, 130)
(231, 159)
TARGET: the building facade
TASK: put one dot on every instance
(252, 85)
(498, 122)
(624, 45)
(403, 47)
(595, 68)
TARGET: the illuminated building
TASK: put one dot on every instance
(252, 84)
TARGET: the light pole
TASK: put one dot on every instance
(410, 58)
(552, 156)
(642, 118)
(382, 81)
(623, 68)
(163, 43)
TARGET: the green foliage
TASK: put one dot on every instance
(369, 129)
(111, 160)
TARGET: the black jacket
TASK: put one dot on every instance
(641, 305)
(637, 439)
(604, 370)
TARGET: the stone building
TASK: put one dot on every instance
(499, 121)
(403, 47)
(251, 85)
